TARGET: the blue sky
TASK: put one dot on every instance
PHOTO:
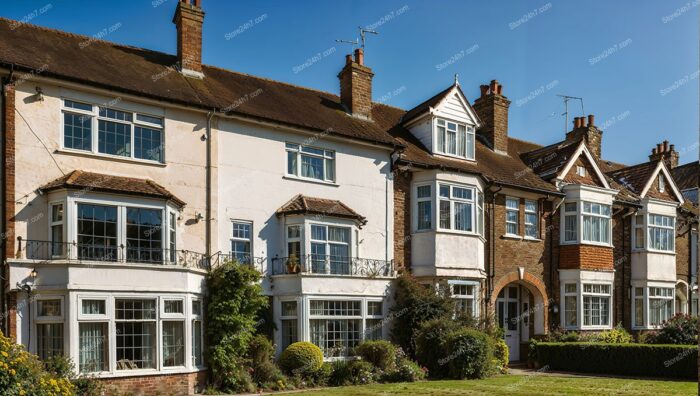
(635, 63)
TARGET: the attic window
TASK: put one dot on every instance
(662, 183)
(454, 139)
(581, 171)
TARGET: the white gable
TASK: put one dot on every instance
(661, 168)
(456, 108)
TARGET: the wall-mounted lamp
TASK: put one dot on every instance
(39, 94)
(28, 283)
(199, 217)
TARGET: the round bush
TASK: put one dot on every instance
(301, 358)
(470, 354)
(382, 354)
(430, 345)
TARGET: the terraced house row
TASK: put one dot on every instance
(129, 172)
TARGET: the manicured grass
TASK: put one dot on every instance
(521, 385)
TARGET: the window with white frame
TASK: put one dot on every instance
(335, 325)
(57, 240)
(424, 202)
(289, 316)
(456, 208)
(662, 235)
(464, 297)
(173, 332)
(97, 232)
(49, 328)
(241, 241)
(480, 213)
(662, 183)
(294, 241)
(99, 129)
(570, 222)
(93, 335)
(638, 306)
(197, 333)
(596, 222)
(144, 236)
(512, 215)
(330, 249)
(374, 321)
(660, 304)
(455, 139)
(639, 234)
(571, 305)
(135, 321)
(581, 171)
(310, 163)
(596, 304)
(531, 219)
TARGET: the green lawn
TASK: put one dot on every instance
(521, 385)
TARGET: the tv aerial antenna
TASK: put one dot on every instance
(363, 31)
(361, 41)
(566, 99)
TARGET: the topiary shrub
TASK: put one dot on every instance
(382, 354)
(470, 354)
(618, 335)
(501, 355)
(681, 329)
(301, 359)
(234, 300)
(430, 345)
(261, 357)
(415, 303)
(22, 373)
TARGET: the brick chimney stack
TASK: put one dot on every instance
(585, 128)
(492, 108)
(356, 86)
(189, 18)
(667, 152)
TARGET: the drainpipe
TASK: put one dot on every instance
(3, 223)
(625, 288)
(492, 266)
(210, 115)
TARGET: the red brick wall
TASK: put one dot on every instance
(356, 89)
(654, 192)
(493, 112)
(189, 20)
(402, 219)
(168, 384)
(591, 177)
(622, 234)
(8, 170)
(586, 257)
(11, 318)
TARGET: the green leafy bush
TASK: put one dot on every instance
(22, 373)
(681, 329)
(261, 359)
(235, 298)
(618, 335)
(501, 355)
(84, 385)
(470, 354)
(352, 372)
(413, 304)
(406, 370)
(301, 359)
(430, 345)
(382, 354)
(672, 361)
(321, 377)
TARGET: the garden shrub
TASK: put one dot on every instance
(22, 373)
(235, 298)
(430, 345)
(321, 377)
(618, 335)
(671, 361)
(406, 370)
(413, 304)
(470, 354)
(301, 359)
(682, 329)
(501, 355)
(83, 385)
(352, 372)
(261, 359)
(382, 354)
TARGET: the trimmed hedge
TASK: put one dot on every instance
(301, 358)
(670, 361)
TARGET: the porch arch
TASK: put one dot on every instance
(536, 287)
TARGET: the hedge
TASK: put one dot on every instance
(669, 361)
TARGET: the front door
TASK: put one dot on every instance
(508, 317)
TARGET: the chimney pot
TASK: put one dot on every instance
(673, 147)
(665, 146)
(499, 89)
(348, 59)
(360, 56)
(577, 122)
(659, 148)
(484, 90)
(493, 112)
(591, 120)
(653, 151)
(492, 86)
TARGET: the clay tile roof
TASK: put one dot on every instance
(548, 161)
(53, 53)
(301, 204)
(687, 176)
(635, 177)
(89, 181)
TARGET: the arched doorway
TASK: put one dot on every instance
(681, 303)
(521, 307)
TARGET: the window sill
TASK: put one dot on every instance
(455, 232)
(512, 236)
(91, 154)
(532, 239)
(666, 252)
(314, 181)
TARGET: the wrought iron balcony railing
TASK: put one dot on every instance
(245, 259)
(331, 265)
(71, 251)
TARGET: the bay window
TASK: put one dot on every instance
(512, 215)
(464, 297)
(596, 304)
(310, 163)
(144, 239)
(93, 335)
(596, 222)
(456, 208)
(173, 332)
(424, 198)
(639, 235)
(49, 328)
(455, 139)
(57, 240)
(197, 333)
(135, 321)
(662, 235)
(290, 323)
(104, 130)
(652, 305)
(570, 222)
(330, 249)
(97, 232)
(335, 325)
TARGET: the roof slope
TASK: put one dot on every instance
(89, 181)
(687, 176)
(153, 74)
(301, 204)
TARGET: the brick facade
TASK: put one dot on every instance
(356, 86)
(169, 384)
(589, 133)
(402, 219)
(586, 257)
(8, 170)
(622, 263)
(591, 178)
(188, 20)
(492, 109)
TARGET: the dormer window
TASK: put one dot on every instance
(454, 139)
